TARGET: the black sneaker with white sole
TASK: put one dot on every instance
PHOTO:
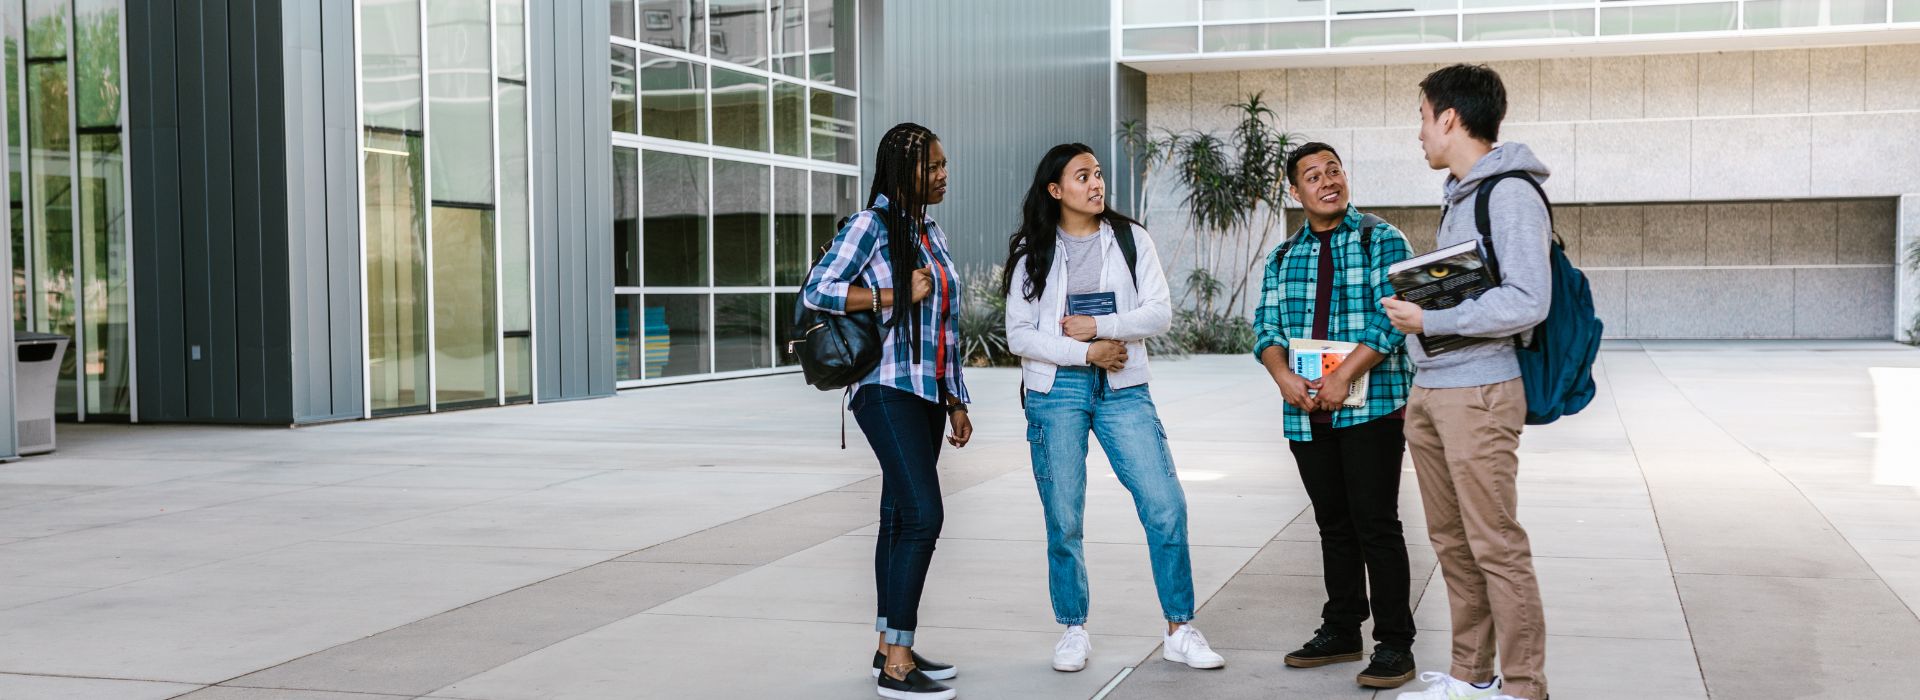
(934, 669)
(916, 686)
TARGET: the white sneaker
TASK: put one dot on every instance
(1070, 653)
(1441, 686)
(1187, 646)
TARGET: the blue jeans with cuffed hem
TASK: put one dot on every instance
(1129, 430)
(905, 432)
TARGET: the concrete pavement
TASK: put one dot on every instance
(1737, 520)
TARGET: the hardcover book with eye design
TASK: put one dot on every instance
(1443, 279)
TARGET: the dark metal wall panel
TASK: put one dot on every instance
(1000, 81)
(573, 199)
(323, 211)
(209, 220)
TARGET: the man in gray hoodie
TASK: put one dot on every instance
(1467, 405)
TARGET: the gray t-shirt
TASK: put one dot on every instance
(1083, 262)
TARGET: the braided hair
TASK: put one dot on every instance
(900, 174)
(1040, 223)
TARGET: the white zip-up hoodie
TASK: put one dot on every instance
(1142, 310)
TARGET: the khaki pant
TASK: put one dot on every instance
(1463, 442)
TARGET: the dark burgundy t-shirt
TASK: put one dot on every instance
(1323, 302)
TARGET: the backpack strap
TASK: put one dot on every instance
(1483, 219)
(1368, 223)
(1123, 234)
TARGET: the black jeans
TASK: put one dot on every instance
(905, 432)
(1353, 476)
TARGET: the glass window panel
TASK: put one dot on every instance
(626, 217)
(792, 255)
(740, 107)
(834, 197)
(1351, 7)
(783, 315)
(1394, 30)
(1219, 10)
(831, 29)
(513, 210)
(673, 98)
(1170, 40)
(50, 171)
(673, 333)
(1476, 4)
(1266, 37)
(516, 274)
(621, 16)
(396, 271)
(674, 24)
(742, 331)
(390, 64)
(1775, 14)
(674, 234)
(459, 85)
(626, 106)
(510, 56)
(789, 119)
(103, 241)
(46, 28)
(395, 201)
(1158, 11)
(1549, 24)
(16, 162)
(97, 62)
(835, 136)
(516, 351)
(789, 27)
(738, 32)
(742, 228)
(1667, 19)
(466, 332)
(630, 346)
(1906, 10)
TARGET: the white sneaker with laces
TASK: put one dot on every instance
(1187, 646)
(1441, 686)
(1070, 653)
(1506, 697)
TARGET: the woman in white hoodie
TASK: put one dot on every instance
(1084, 291)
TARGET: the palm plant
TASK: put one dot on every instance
(1236, 195)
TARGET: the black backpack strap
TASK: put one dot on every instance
(1123, 233)
(1368, 223)
(1483, 220)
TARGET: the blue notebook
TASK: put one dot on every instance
(1097, 304)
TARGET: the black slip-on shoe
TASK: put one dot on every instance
(916, 686)
(934, 669)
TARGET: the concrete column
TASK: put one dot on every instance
(1906, 285)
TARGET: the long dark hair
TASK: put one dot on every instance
(899, 174)
(1040, 220)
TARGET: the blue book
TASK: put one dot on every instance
(1097, 304)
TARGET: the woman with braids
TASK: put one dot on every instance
(1084, 291)
(893, 259)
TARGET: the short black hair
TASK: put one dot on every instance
(1474, 92)
(1304, 150)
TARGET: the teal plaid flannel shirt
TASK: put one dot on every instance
(1287, 305)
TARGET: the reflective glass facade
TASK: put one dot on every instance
(68, 196)
(735, 150)
(445, 144)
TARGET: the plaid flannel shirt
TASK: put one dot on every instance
(859, 252)
(1287, 305)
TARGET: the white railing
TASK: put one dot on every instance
(1155, 29)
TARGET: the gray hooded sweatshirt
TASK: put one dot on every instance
(1522, 232)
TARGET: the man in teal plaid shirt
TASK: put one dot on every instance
(1324, 283)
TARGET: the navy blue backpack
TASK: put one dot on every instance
(1557, 363)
